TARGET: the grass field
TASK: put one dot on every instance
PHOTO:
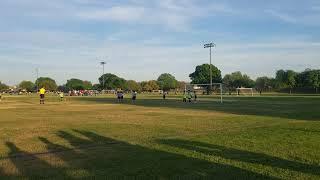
(274, 137)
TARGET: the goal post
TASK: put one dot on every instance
(245, 91)
(216, 87)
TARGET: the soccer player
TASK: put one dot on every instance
(61, 95)
(164, 95)
(120, 96)
(189, 96)
(184, 97)
(42, 91)
(195, 96)
(134, 96)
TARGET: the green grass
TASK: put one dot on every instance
(267, 137)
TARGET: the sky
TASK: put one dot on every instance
(140, 39)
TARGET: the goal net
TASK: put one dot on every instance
(245, 91)
(215, 89)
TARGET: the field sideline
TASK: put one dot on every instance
(271, 137)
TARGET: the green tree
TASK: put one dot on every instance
(112, 81)
(142, 84)
(96, 87)
(273, 83)
(63, 88)
(202, 74)
(247, 81)
(27, 85)
(134, 86)
(154, 85)
(87, 85)
(308, 78)
(281, 79)
(181, 85)
(286, 79)
(47, 83)
(75, 84)
(237, 80)
(291, 79)
(228, 83)
(313, 79)
(263, 83)
(3, 86)
(301, 79)
(149, 86)
(167, 81)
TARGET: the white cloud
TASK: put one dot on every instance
(176, 15)
(118, 13)
(143, 53)
(167, 14)
(304, 18)
(282, 16)
(68, 55)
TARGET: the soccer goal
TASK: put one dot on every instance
(215, 88)
(245, 91)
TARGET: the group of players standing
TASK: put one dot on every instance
(120, 95)
(42, 93)
(187, 96)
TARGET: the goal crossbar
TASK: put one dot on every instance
(239, 89)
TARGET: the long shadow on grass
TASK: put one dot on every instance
(92, 155)
(1, 170)
(242, 155)
(298, 108)
(29, 164)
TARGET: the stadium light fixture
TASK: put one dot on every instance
(210, 45)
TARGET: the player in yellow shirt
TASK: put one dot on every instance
(184, 98)
(42, 92)
(61, 95)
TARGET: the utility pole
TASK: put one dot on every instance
(210, 45)
(103, 63)
(37, 72)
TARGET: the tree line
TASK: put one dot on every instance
(284, 80)
(164, 82)
(107, 81)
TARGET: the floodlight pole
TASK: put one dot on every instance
(221, 94)
(210, 71)
(210, 45)
(103, 63)
(37, 72)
